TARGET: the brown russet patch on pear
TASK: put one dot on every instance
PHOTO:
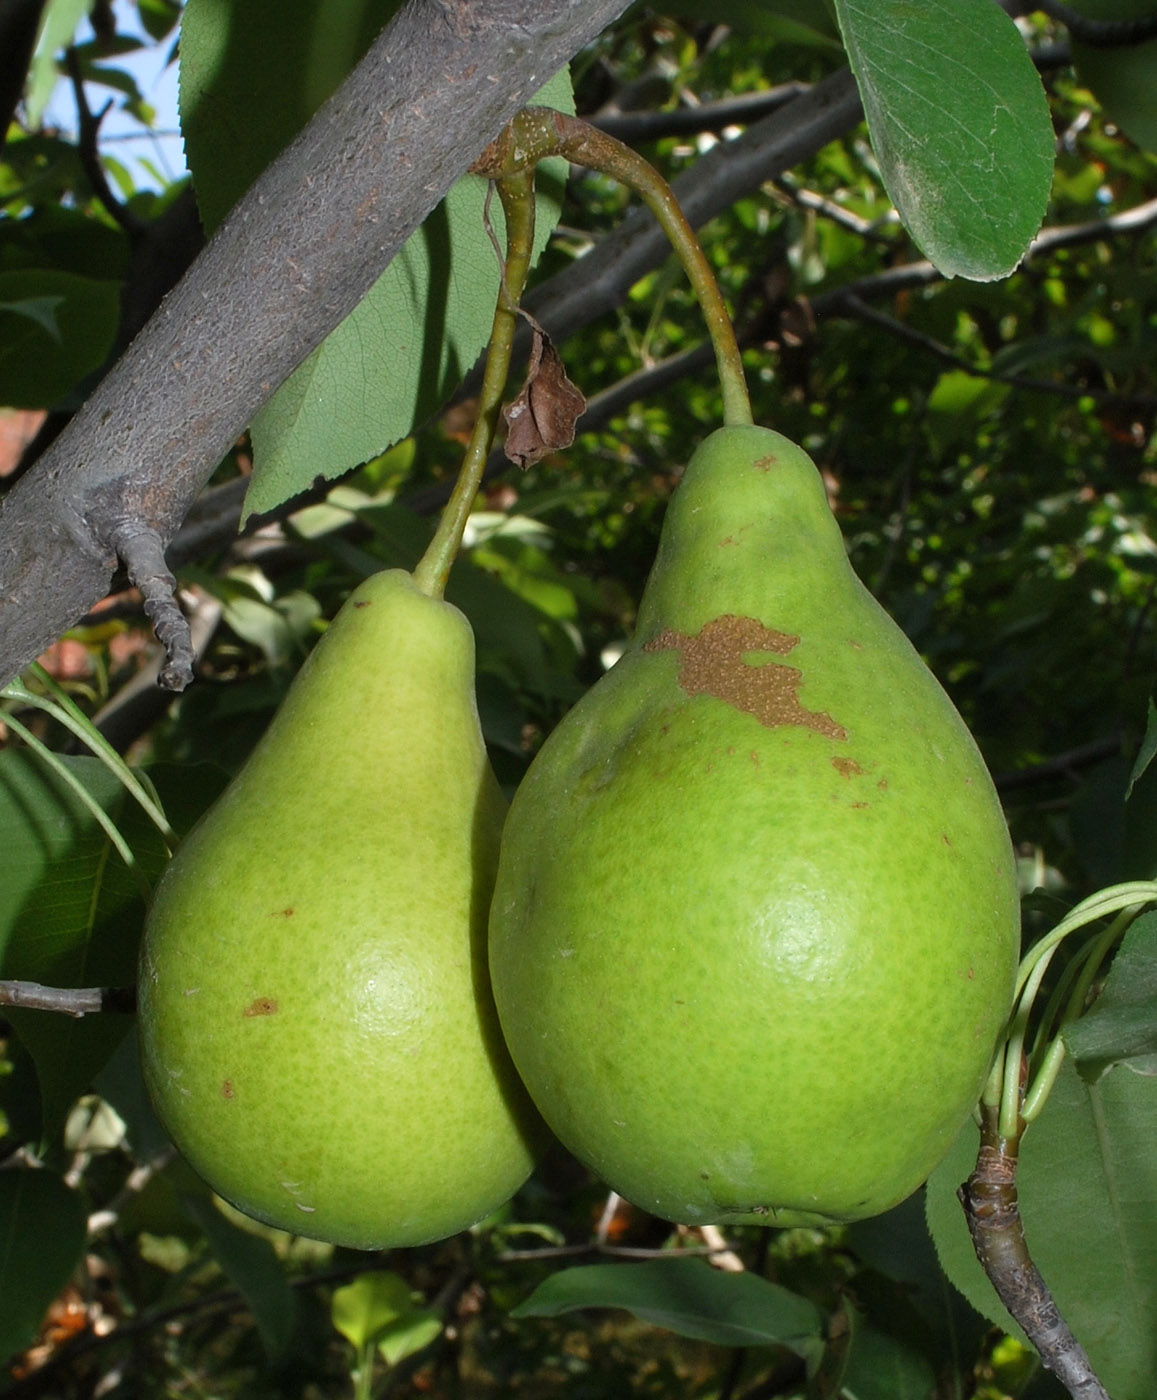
(765, 464)
(261, 1006)
(846, 767)
(227, 1089)
(715, 663)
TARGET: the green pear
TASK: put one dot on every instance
(317, 1027)
(755, 926)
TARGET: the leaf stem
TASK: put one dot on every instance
(1091, 960)
(516, 191)
(1004, 1089)
(538, 132)
(66, 712)
(364, 1374)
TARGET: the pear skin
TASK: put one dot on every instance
(317, 1028)
(755, 926)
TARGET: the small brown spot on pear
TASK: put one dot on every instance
(846, 767)
(227, 1089)
(261, 1006)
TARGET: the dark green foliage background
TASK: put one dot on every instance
(987, 446)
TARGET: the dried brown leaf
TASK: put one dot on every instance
(542, 418)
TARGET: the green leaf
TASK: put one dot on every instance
(404, 349)
(158, 16)
(898, 1246)
(1122, 1025)
(254, 1268)
(251, 77)
(1147, 750)
(1123, 77)
(70, 913)
(689, 1297)
(42, 310)
(1088, 1197)
(42, 1232)
(368, 1305)
(55, 328)
(57, 27)
(959, 123)
(882, 1367)
(408, 1334)
(377, 1309)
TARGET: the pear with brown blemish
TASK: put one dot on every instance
(755, 926)
(317, 1029)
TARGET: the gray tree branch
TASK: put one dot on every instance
(294, 257)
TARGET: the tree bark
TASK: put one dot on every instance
(294, 257)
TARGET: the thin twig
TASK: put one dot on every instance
(88, 132)
(69, 1001)
(860, 309)
(1100, 33)
(872, 230)
(1064, 765)
(635, 127)
(136, 1181)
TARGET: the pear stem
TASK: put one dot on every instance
(516, 191)
(537, 132)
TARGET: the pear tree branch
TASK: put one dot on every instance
(68, 1001)
(1100, 33)
(990, 1202)
(294, 257)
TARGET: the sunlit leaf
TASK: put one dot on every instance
(377, 1309)
(363, 1308)
(57, 27)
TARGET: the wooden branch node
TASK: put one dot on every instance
(989, 1198)
(69, 1001)
(142, 552)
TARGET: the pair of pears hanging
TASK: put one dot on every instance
(745, 940)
